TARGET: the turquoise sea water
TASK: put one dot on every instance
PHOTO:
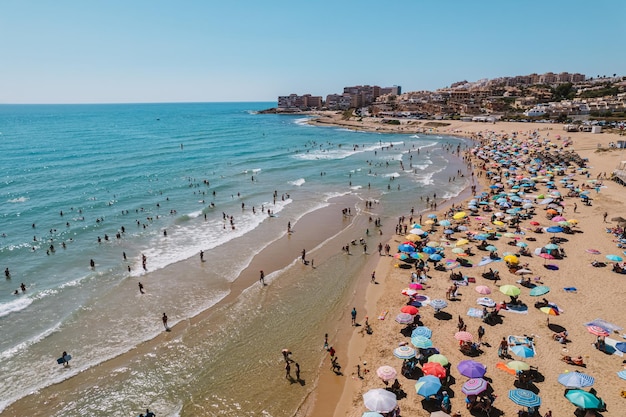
(72, 176)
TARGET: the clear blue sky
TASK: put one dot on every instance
(77, 51)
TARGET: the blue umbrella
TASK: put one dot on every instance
(445, 223)
(614, 258)
(491, 248)
(524, 398)
(422, 331)
(583, 399)
(539, 290)
(427, 385)
(576, 380)
(554, 229)
(421, 342)
(622, 374)
(429, 250)
(448, 231)
(621, 346)
(523, 351)
(481, 237)
(432, 216)
(406, 248)
(435, 257)
(438, 304)
(485, 261)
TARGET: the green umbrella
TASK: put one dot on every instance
(510, 290)
(440, 359)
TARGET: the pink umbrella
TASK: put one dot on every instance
(597, 330)
(559, 219)
(416, 286)
(463, 336)
(546, 256)
(483, 289)
(386, 373)
(593, 251)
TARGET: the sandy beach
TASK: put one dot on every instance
(598, 294)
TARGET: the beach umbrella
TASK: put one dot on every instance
(429, 222)
(485, 261)
(597, 330)
(419, 232)
(413, 237)
(406, 248)
(427, 385)
(421, 298)
(523, 351)
(404, 318)
(614, 258)
(518, 366)
(471, 369)
(422, 331)
(510, 290)
(416, 286)
(404, 352)
(432, 245)
(386, 372)
(524, 398)
(460, 215)
(409, 292)
(583, 399)
(462, 242)
(510, 235)
(511, 259)
(534, 223)
(576, 380)
(452, 265)
(474, 386)
(439, 414)
(479, 237)
(550, 310)
(448, 232)
(432, 216)
(483, 289)
(523, 271)
(458, 250)
(546, 256)
(435, 257)
(498, 223)
(401, 256)
(539, 290)
(412, 310)
(429, 250)
(438, 304)
(434, 369)
(557, 219)
(415, 255)
(463, 336)
(593, 251)
(551, 246)
(521, 244)
(445, 223)
(554, 229)
(380, 400)
(622, 374)
(485, 301)
(491, 248)
(438, 358)
(421, 342)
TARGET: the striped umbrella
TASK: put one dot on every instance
(518, 366)
(463, 336)
(438, 358)
(386, 372)
(404, 352)
(422, 331)
(404, 318)
(483, 289)
(576, 380)
(597, 330)
(474, 386)
(421, 342)
(524, 398)
(438, 304)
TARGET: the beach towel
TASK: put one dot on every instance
(570, 289)
(610, 346)
(609, 327)
(515, 309)
(502, 366)
(475, 312)
(383, 315)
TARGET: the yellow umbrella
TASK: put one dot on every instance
(498, 223)
(460, 215)
(511, 259)
(429, 222)
(508, 234)
(413, 238)
(573, 221)
(462, 242)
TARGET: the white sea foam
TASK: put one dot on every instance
(414, 136)
(16, 305)
(18, 200)
(356, 187)
(298, 183)
(304, 121)
(392, 175)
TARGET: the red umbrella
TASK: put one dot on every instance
(463, 336)
(410, 310)
(434, 369)
(546, 256)
(597, 330)
(534, 223)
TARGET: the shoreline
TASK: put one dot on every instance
(350, 401)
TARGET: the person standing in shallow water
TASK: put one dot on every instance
(164, 319)
(262, 277)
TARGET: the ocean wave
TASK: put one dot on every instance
(356, 187)
(299, 182)
(414, 136)
(9, 353)
(18, 200)
(426, 179)
(15, 305)
(392, 175)
(304, 121)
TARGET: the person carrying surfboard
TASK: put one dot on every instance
(65, 359)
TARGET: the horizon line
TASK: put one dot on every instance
(131, 102)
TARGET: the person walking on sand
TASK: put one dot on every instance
(373, 277)
(287, 371)
(303, 256)
(164, 319)
(353, 314)
(201, 256)
(604, 216)
(140, 288)
(262, 278)
(481, 333)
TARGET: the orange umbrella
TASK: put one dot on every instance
(412, 310)
(434, 369)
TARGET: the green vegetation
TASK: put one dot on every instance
(607, 91)
(564, 91)
(392, 122)
(347, 114)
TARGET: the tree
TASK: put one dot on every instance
(563, 91)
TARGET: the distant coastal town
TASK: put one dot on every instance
(563, 97)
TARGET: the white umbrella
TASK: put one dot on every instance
(380, 400)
